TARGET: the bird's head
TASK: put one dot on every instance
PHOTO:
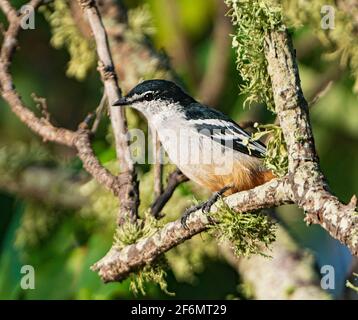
(154, 96)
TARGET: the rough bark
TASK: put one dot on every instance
(129, 192)
(118, 264)
(304, 184)
(308, 185)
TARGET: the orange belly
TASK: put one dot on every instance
(241, 177)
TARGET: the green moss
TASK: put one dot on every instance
(290, 290)
(129, 233)
(155, 272)
(246, 290)
(351, 285)
(247, 233)
(276, 158)
(151, 273)
(252, 21)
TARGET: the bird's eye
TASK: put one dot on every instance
(148, 96)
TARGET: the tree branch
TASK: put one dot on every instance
(129, 195)
(174, 180)
(118, 264)
(39, 125)
(79, 139)
(308, 185)
(134, 60)
(304, 184)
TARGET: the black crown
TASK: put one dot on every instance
(162, 89)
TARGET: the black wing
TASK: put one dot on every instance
(222, 129)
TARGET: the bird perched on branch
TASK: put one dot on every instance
(205, 144)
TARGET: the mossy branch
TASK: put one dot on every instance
(247, 233)
(252, 21)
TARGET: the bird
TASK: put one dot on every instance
(205, 144)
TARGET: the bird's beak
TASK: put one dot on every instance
(121, 102)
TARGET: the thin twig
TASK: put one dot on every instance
(174, 180)
(99, 112)
(129, 194)
(320, 94)
(324, 83)
(79, 139)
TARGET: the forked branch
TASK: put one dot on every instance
(304, 184)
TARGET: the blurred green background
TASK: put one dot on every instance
(62, 243)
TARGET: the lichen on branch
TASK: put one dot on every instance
(276, 158)
(252, 21)
(155, 272)
(247, 233)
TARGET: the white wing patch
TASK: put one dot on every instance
(230, 134)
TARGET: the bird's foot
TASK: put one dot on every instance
(204, 206)
(188, 212)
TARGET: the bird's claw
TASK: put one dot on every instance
(205, 207)
(186, 215)
(183, 220)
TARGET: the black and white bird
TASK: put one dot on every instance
(205, 144)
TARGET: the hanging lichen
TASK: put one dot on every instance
(351, 285)
(252, 21)
(276, 158)
(65, 34)
(155, 272)
(247, 233)
(140, 23)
